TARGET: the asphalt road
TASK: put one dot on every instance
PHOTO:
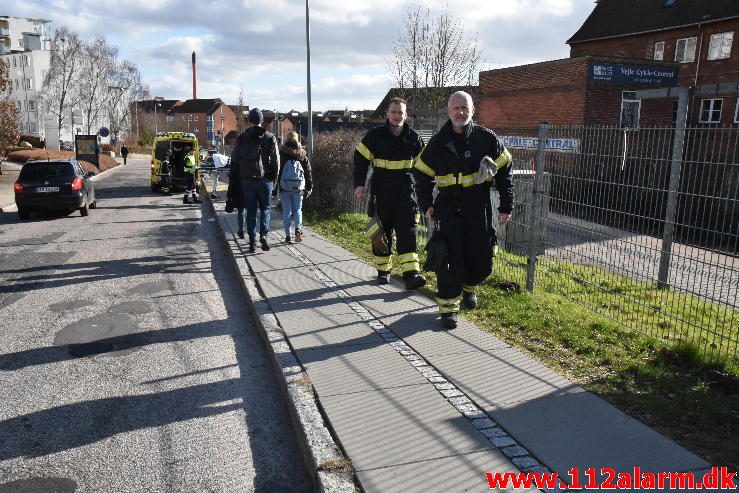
(128, 359)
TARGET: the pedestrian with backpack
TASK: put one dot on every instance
(255, 163)
(295, 182)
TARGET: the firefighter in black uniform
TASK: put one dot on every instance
(391, 149)
(463, 159)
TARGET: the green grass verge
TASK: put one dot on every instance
(664, 381)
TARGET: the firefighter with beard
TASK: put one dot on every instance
(390, 149)
(462, 160)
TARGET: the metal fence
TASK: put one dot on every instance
(640, 226)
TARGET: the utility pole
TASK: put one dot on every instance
(310, 107)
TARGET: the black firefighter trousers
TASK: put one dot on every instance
(396, 207)
(470, 239)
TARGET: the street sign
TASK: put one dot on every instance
(104, 132)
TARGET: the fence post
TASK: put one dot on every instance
(537, 189)
(674, 188)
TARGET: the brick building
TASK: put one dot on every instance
(575, 91)
(206, 118)
(684, 42)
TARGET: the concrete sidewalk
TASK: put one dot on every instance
(418, 408)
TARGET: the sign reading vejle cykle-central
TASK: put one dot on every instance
(616, 73)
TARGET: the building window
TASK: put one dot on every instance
(659, 50)
(15, 61)
(184, 118)
(685, 50)
(32, 127)
(195, 130)
(736, 112)
(29, 84)
(19, 105)
(170, 118)
(720, 47)
(711, 110)
(31, 105)
(630, 108)
(195, 117)
(20, 43)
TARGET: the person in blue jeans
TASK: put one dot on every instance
(255, 165)
(295, 183)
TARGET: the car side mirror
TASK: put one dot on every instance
(89, 174)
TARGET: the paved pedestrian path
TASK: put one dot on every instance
(419, 408)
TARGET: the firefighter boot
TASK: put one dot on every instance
(413, 280)
(184, 200)
(383, 277)
(449, 320)
(469, 299)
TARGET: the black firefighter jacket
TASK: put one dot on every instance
(391, 156)
(440, 163)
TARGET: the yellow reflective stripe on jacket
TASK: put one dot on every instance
(364, 151)
(190, 164)
(423, 167)
(503, 159)
(387, 164)
(446, 180)
(458, 179)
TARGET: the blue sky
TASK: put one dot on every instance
(259, 45)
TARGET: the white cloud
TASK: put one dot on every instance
(260, 44)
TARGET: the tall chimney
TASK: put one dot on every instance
(194, 78)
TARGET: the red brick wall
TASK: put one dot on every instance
(527, 95)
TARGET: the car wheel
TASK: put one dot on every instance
(83, 210)
(24, 214)
(94, 205)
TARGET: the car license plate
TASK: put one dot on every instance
(46, 189)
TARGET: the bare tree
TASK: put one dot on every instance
(98, 62)
(60, 87)
(432, 54)
(9, 113)
(240, 110)
(123, 81)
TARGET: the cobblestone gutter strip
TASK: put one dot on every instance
(495, 434)
(324, 460)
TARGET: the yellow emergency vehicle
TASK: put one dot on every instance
(168, 161)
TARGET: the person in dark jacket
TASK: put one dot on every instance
(296, 186)
(124, 153)
(257, 177)
(462, 160)
(390, 150)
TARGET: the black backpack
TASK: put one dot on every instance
(250, 159)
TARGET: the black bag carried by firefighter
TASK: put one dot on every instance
(437, 258)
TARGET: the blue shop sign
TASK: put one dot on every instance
(629, 74)
(553, 144)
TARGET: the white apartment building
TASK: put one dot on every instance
(25, 44)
